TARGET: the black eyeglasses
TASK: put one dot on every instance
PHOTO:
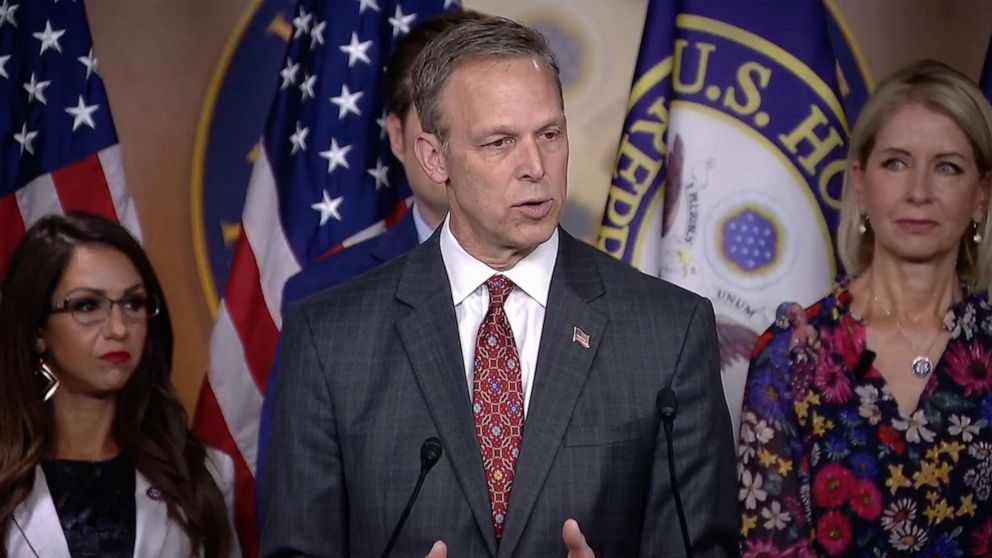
(90, 309)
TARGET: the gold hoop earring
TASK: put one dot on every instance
(52, 382)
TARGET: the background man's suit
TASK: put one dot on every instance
(352, 261)
(373, 367)
(334, 270)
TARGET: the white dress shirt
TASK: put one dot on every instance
(524, 306)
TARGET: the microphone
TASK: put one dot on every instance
(668, 407)
(430, 453)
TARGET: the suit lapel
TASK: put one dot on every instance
(152, 522)
(37, 529)
(562, 367)
(430, 336)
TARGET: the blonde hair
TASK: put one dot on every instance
(943, 89)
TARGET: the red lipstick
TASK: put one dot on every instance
(117, 357)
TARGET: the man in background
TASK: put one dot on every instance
(430, 201)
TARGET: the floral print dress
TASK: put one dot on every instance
(827, 464)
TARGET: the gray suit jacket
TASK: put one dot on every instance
(373, 367)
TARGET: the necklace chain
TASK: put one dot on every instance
(922, 364)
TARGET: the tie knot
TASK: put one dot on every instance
(499, 286)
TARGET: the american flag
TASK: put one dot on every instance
(324, 179)
(58, 147)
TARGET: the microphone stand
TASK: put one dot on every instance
(430, 453)
(668, 406)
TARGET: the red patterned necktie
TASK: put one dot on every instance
(497, 399)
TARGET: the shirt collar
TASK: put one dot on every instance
(532, 274)
(424, 231)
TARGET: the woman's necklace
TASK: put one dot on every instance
(922, 364)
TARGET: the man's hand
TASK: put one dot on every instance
(575, 541)
(439, 550)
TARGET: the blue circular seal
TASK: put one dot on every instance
(749, 240)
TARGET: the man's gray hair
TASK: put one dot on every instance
(490, 38)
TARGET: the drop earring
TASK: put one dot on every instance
(52, 382)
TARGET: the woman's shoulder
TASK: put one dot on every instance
(970, 318)
(974, 298)
(832, 307)
(793, 320)
(220, 465)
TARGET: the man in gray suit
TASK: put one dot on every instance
(537, 361)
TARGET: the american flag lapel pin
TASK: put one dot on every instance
(581, 337)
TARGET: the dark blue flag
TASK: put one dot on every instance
(730, 166)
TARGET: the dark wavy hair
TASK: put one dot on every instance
(150, 425)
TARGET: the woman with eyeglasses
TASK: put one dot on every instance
(96, 458)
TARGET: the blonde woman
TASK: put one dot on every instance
(874, 437)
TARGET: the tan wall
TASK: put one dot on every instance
(157, 57)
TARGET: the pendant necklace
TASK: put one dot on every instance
(922, 365)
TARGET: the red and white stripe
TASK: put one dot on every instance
(94, 184)
(243, 343)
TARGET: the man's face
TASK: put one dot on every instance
(505, 165)
(430, 196)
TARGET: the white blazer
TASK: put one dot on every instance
(37, 533)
